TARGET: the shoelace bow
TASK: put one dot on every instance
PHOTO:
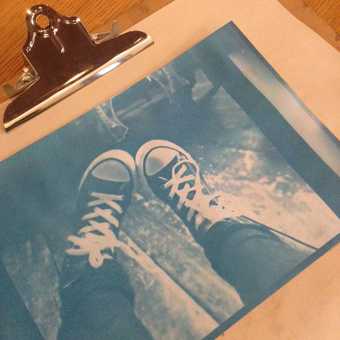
(96, 236)
(191, 195)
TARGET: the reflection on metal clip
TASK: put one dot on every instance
(61, 70)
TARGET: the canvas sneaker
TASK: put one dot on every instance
(170, 173)
(104, 195)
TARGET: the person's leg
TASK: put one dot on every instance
(97, 299)
(247, 255)
(100, 305)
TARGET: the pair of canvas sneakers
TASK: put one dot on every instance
(163, 169)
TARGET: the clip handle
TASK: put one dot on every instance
(64, 59)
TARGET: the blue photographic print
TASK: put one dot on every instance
(166, 210)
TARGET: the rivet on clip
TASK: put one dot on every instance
(63, 58)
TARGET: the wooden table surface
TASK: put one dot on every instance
(321, 15)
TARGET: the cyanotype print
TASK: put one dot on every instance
(163, 211)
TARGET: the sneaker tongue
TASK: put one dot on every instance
(167, 171)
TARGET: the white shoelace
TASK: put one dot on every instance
(96, 237)
(200, 203)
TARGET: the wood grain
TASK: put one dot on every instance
(322, 16)
(329, 11)
(98, 15)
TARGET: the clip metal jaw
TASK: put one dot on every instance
(64, 59)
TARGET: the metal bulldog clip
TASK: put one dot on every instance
(63, 57)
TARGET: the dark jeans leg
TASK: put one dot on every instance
(99, 306)
(250, 257)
